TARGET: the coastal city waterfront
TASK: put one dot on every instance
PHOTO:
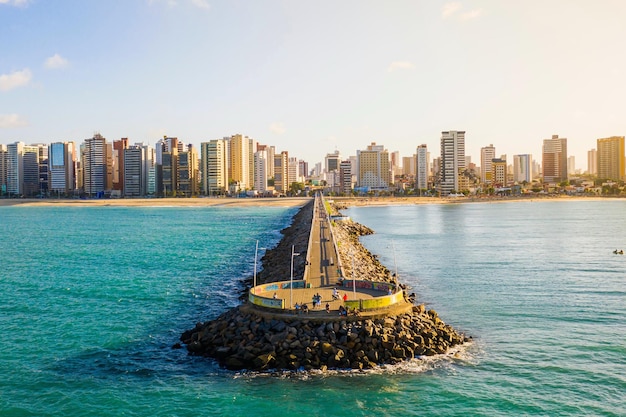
(280, 208)
(547, 331)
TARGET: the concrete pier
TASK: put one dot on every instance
(323, 276)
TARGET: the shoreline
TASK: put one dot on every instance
(399, 201)
(283, 201)
(159, 202)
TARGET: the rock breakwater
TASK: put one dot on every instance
(243, 338)
(252, 338)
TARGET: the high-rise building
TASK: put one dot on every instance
(94, 163)
(396, 169)
(132, 161)
(281, 172)
(611, 158)
(374, 167)
(452, 162)
(169, 166)
(214, 159)
(408, 166)
(332, 161)
(331, 169)
(592, 162)
(270, 151)
(498, 172)
(261, 167)
(522, 168)
(15, 168)
(487, 154)
(293, 171)
(421, 166)
(554, 160)
(148, 170)
(62, 167)
(571, 165)
(188, 171)
(345, 173)
(118, 165)
(303, 169)
(3, 170)
(241, 166)
(32, 180)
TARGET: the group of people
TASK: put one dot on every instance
(317, 300)
(301, 308)
(336, 295)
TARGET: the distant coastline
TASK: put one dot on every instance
(284, 202)
(394, 201)
(161, 202)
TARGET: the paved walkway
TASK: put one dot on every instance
(323, 272)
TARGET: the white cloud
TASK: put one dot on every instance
(450, 8)
(170, 3)
(400, 65)
(278, 128)
(15, 79)
(8, 121)
(203, 4)
(18, 3)
(471, 15)
(56, 61)
(453, 10)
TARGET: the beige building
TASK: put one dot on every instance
(487, 154)
(592, 162)
(281, 172)
(498, 172)
(241, 166)
(374, 167)
(611, 158)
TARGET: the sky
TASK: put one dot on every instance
(312, 77)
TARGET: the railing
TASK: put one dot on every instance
(376, 302)
(332, 235)
(271, 302)
(307, 263)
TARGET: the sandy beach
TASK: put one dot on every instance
(390, 201)
(162, 202)
(286, 202)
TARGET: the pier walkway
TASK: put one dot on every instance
(322, 272)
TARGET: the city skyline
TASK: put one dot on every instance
(312, 78)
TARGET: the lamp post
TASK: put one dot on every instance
(291, 280)
(256, 251)
(394, 261)
(353, 280)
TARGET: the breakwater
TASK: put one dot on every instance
(244, 338)
(249, 337)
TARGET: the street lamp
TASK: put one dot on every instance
(353, 280)
(291, 280)
(394, 261)
(256, 251)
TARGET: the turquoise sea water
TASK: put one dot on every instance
(92, 299)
